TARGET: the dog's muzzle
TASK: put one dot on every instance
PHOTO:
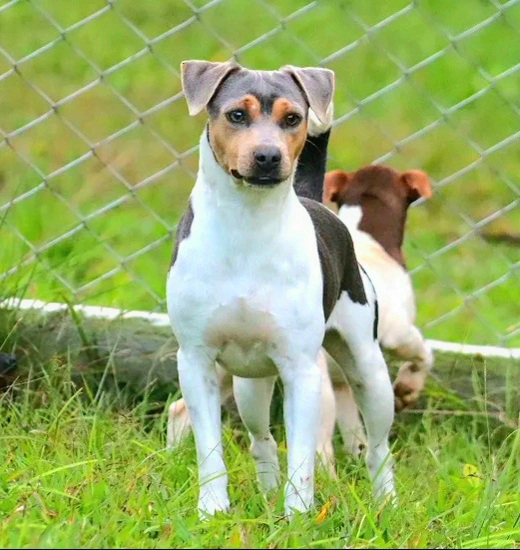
(266, 166)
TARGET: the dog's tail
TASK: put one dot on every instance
(312, 163)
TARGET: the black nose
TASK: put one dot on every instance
(267, 158)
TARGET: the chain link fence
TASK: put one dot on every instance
(98, 154)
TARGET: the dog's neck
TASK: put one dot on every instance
(235, 202)
(234, 208)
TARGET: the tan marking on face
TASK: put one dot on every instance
(295, 139)
(234, 146)
(225, 142)
(250, 104)
(281, 108)
(229, 141)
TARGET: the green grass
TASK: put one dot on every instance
(369, 128)
(83, 472)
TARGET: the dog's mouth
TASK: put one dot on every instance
(257, 181)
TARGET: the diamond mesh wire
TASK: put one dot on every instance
(98, 154)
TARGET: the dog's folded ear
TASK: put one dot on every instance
(200, 80)
(335, 181)
(318, 87)
(417, 184)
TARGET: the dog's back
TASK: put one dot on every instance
(337, 256)
(373, 203)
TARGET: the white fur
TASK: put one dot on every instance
(392, 282)
(351, 217)
(317, 126)
(363, 363)
(246, 291)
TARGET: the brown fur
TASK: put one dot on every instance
(384, 196)
(281, 108)
(294, 140)
(250, 104)
(225, 142)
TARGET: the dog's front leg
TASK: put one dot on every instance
(302, 394)
(198, 381)
(179, 424)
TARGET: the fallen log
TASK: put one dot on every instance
(123, 354)
(134, 358)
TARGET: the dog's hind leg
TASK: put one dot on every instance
(349, 422)
(179, 425)
(411, 375)
(253, 398)
(328, 418)
(347, 414)
(352, 345)
(200, 390)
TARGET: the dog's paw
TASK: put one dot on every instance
(408, 386)
(211, 503)
(384, 487)
(295, 506)
(316, 126)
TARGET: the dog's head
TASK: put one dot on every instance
(257, 119)
(378, 198)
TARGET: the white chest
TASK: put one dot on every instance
(247, 289)
(246, 333)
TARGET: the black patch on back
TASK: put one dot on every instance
(310, 172)
(183, 230)
(338, 261)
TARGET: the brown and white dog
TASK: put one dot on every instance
(261, 278)
(373, 203)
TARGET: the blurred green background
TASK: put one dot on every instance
(98, 153)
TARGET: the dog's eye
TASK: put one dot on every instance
(237, 116)
(292, 119)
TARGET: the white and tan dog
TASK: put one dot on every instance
(261, 278)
